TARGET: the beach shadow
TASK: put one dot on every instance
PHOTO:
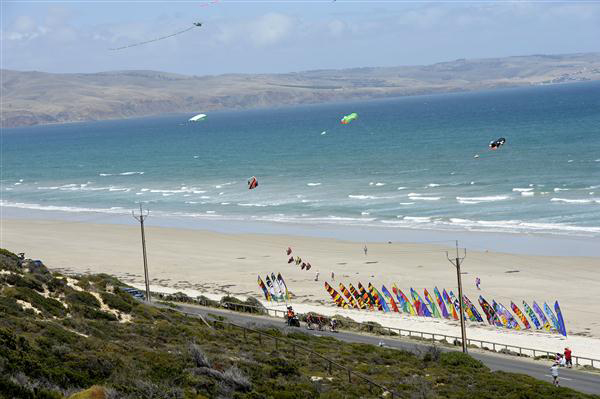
(371, 262)
(342, 263)
(512, 271)
(241, 257)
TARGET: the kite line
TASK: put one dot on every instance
(196, 25)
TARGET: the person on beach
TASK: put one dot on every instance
(554, 372)
(365, 249)
(568, 360)
(332, 276)
(317, 276)
(477, 282)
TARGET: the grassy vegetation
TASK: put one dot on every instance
(75, 350)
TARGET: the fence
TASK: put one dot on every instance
(330, 364)
(493, 346)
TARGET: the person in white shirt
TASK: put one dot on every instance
(554, 372)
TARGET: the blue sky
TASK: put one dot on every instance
(281, 36)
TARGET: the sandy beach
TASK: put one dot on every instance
(198, 261)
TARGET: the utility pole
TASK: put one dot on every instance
(456, 262)
(140, 219)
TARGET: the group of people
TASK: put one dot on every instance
(561, 360)
(318, 320)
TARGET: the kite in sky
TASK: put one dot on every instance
(496, 144)
(349, 118)
(195, 25)
(252, 183)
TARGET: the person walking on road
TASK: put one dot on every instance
(568, 360)
(554, 372)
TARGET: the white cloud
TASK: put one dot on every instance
(270, 29)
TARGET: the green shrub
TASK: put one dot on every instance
(82, 298)
(48, 306)
(115, 302)
(459, 359)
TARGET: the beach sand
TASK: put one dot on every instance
(197, 261)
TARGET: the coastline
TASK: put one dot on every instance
(218, 263)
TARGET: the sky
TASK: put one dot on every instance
(276, 36)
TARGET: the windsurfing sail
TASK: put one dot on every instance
(391, 299)
(194, 25)
(403, 299)
(349, 118)
(543, 318)
(378, 298)
(551, 316)
(283, 285)
(348, 296)
(359, 299)
(471, 306)
(532, 315)
(512, 323)
(252, 183)
(501, 316)
(561, 321)
(196, 118)
(441, 303)
(261, 284)
(520, 315)
(366, 294)
(291, 259)
(274, 296)
(466, 309)
(450, 304)
(431, 303)
(337, 298)
(490, 313)
(496, 144)
(423, 308)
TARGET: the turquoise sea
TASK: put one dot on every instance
(405, 163)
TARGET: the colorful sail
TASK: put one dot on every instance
(366, 294)
(390, 298)
(552, 317)
(512, 322)
(561, 321)
(378, 298)
(348, 295)
(500, 314)
(283, 285)
(441, 304)
(357, 296)
(450, 304)
(543, 318)
(278, 289)
(466, 309)
(532, 315)
(337, 298)
(520, 315)
(473, 309)
(274, 295)
(431, 303)
(406, 305)
(490, 313)
(262, 285)
(424, 311)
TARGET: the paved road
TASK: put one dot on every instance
(579, 380)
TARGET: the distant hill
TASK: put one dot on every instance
(31, 98)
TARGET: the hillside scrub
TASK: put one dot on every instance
(64, 351)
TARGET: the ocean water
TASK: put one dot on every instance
(404, 163)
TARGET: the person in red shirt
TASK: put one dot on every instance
(569, 362)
